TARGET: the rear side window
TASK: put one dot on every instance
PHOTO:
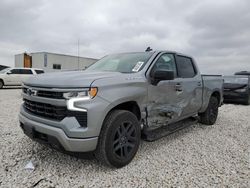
(185, 67)
(25, 71)
(39, 71)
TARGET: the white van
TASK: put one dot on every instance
(15, 76)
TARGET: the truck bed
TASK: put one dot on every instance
(210, 84)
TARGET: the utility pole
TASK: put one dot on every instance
(78, 53)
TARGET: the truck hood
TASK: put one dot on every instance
(69, 79)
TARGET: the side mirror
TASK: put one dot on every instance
(159, 75)
(8, 73)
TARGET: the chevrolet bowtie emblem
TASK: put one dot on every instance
(32, 92)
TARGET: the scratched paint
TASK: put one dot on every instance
(161, 114)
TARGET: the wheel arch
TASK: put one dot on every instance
(131, 106)
(206, 98)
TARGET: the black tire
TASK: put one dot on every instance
(209, 117)
(1, 84)
(248, 100)
(119, 139)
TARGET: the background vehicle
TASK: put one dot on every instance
(106, 108)
(15, 76)
(247, 73)
(237, 89)
(3, 67)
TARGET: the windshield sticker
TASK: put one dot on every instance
(137, 66)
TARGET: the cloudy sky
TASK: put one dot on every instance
(216, 33)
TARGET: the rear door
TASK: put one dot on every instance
(25, 74)
(189, 85)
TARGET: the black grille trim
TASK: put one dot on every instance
(50, 94)
(25, 90)
(47, 94)
(52, 112)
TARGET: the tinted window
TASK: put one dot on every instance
(15, 71)
(56, 66)
(25, 71)
(185, 67)
(165, 62)
(39, 71)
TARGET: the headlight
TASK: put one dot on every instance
(241, 90)
(91, 93)
(75, 94)
(78, 96)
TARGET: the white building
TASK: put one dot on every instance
(52, 61)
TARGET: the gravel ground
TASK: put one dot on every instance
(199, 156)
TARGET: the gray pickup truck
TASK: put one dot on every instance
(107, 108)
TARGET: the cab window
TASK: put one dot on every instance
(165, 62)
(185, 67)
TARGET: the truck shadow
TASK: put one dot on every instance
(235, 103)
(81, 160)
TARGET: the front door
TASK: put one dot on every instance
(165, 100)
(13, 77)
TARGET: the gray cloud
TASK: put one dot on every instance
(216, 33)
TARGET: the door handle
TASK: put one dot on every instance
(199, 83)
(178, 87)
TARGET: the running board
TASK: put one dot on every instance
(152, 135)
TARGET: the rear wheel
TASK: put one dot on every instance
(1, 84)
(119, 139)
(210, 115)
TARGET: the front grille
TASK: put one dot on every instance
(50, 94)
(45, 110)
(46, 94)
(53, 112)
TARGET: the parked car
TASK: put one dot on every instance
(15, 76)
(247, 73)
(3, 67)
(106, 108)
(237, 89)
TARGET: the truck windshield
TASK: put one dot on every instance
(124, 63)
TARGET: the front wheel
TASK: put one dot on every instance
(209, 117)
(119, 139)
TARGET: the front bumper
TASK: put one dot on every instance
(56, 137)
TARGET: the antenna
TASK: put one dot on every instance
(78, 41)
(148, 49)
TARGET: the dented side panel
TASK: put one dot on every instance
(167, 105)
